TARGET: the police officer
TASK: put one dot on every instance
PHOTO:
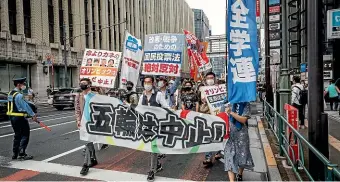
(18, 111)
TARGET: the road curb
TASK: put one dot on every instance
(273, 171)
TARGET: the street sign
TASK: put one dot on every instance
(273, 2)
(274, 26)
(303, 67)
(275, 56)
(274, 9)
(274, 36)
(274, 18)
(327, 75)
(275, 43)
(333, 24)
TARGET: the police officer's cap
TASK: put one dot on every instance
(19, 80)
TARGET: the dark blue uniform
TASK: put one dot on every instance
(18, 110)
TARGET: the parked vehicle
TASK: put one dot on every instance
(65, 98)
(50, 97)
(3, 106)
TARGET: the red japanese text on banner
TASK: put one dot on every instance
(101, 67)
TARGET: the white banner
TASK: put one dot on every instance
(151, 129)
(101, 67)
(132, 60)
(215, 97)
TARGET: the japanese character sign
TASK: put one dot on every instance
(151, 129)
(243, 56)
(215, 97)
(101, 67)
(164, 54)
(132, 60)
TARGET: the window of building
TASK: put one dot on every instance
(61, 22)
(27, 17)
(109, 15)
(100, 25)
(70, 22)
(12, 14)
(51, 20)
(86, 24)
(93, 25)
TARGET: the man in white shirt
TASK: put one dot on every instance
(297, 87)
(153, 98)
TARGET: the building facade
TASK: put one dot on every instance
(216, 52)
(32, 32)
(201, 24)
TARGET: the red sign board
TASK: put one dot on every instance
(292, 118)
(274, 9)
(258, 8)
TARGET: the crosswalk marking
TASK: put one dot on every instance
(73, 171)
(50, 126)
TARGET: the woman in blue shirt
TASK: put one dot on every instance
(333, 92)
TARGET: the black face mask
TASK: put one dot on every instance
(84, 87)
(129, 88)
(186, 88)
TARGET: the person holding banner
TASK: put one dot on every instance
(151, 97)
(90, 154)
(168, 93)
(189, 97)
(210, 80)
(131, 96)
(237, 154)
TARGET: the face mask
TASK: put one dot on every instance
(187, 88)
(84, 87)
(160, 84)
(148, 87)
(129, 88)
(210, 82)
(23, 87)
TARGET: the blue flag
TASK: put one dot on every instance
(243, 56)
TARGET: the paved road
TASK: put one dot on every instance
(333, 134)
(58, 156)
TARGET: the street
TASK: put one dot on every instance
(58, 157)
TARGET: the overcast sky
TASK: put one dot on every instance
(215, 11)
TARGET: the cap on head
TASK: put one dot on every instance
(19, 80)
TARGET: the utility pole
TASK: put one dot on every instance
(318, 121)
(284, 76)
(269, 89)
(65, 57)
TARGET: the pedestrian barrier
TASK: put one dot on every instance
(277, 124)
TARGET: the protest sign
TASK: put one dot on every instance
(163, 54)
(214, 96)
(197, 52)
(151, 129)
(101, 67)
(132, 59)
(243, 60)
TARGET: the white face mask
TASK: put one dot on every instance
(148, 87)
(23, 87)
(210, 82)
(160, 84)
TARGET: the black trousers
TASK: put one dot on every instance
(301, 113)
(21, 129)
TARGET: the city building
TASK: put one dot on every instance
(201, 24)
(216, 52)
(32, 31)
